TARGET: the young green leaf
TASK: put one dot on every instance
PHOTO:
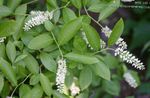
(69, 30)
(2, 82)
(7, 28)
(77, 3)
(48, 25)
(40, 41)
(81, 58)
(20, 57)
(68, 15)
(85, 78)
(109, 9)
(48, 62)
(11, 51)
(8, 71)
(4, 11)
(46, 85)
(57, 16)
(116, 32)
(21, 11)
(32, 64)
(92, 36)
(23, 90)
(101, 70)
(34, 79)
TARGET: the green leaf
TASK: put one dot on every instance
(1, 2)
(116, 32)
(81, 58)
(7, 28)
(111, 87)
(109, 9)
(85, 78)
(48, 62)
(101, 70)
(8, 71)
(2, 50)
(68, 15)
(4, 11)
(46, 85)
(2, 82)
(12, 4)
(6, 90)
(69, 30)
(59, 95)
(11, 51)
(23, 90)
(77, 3)
(21, 11)
(36, 92)
(57, 16)
(79, 44)
(52, 3)
(40, 41)
(92, 36)
(31, 64)
(48, 25)
(20, 57)
(34, 79)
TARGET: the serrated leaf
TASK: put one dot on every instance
(2, 82)
(4, 11)
(69, 30)
(68, 15)
(32, 64)
(109, 9)
(8, 71)
(116, 32)
(46, 85)
(85, 78)
(7, 28)
(92, 36)
(11, 51)
(101, 70)
(85, 59)
(48, 62)
(40, 41)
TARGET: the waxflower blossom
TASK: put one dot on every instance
(74, 89)
(60, 75)
(2, 39)
(8, 97)
(122, 52)
(130, 79)
(37, 19)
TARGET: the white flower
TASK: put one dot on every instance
(103, 44)
(38, 19)
(8, 97)
(61, 74)
(2, 39)
(127, 0)
(74, 89)
(107, 31)
(130, 79)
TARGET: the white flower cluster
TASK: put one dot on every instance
(130, 79)
(74, 89)
(8, 97)
(2, 39)
(122, 52)
(103, 44)
(60, 75)
(39, 17)
(86, 40)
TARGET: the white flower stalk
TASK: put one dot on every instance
(86, 40)
(122, 52)
(74, 89)
(130, 79)
(38, 19)
(2, 39)
(60, 75)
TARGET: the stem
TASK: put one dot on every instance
(31, 2)
(92, 18)
(104, 50)
(19, 85)
(57, 44)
